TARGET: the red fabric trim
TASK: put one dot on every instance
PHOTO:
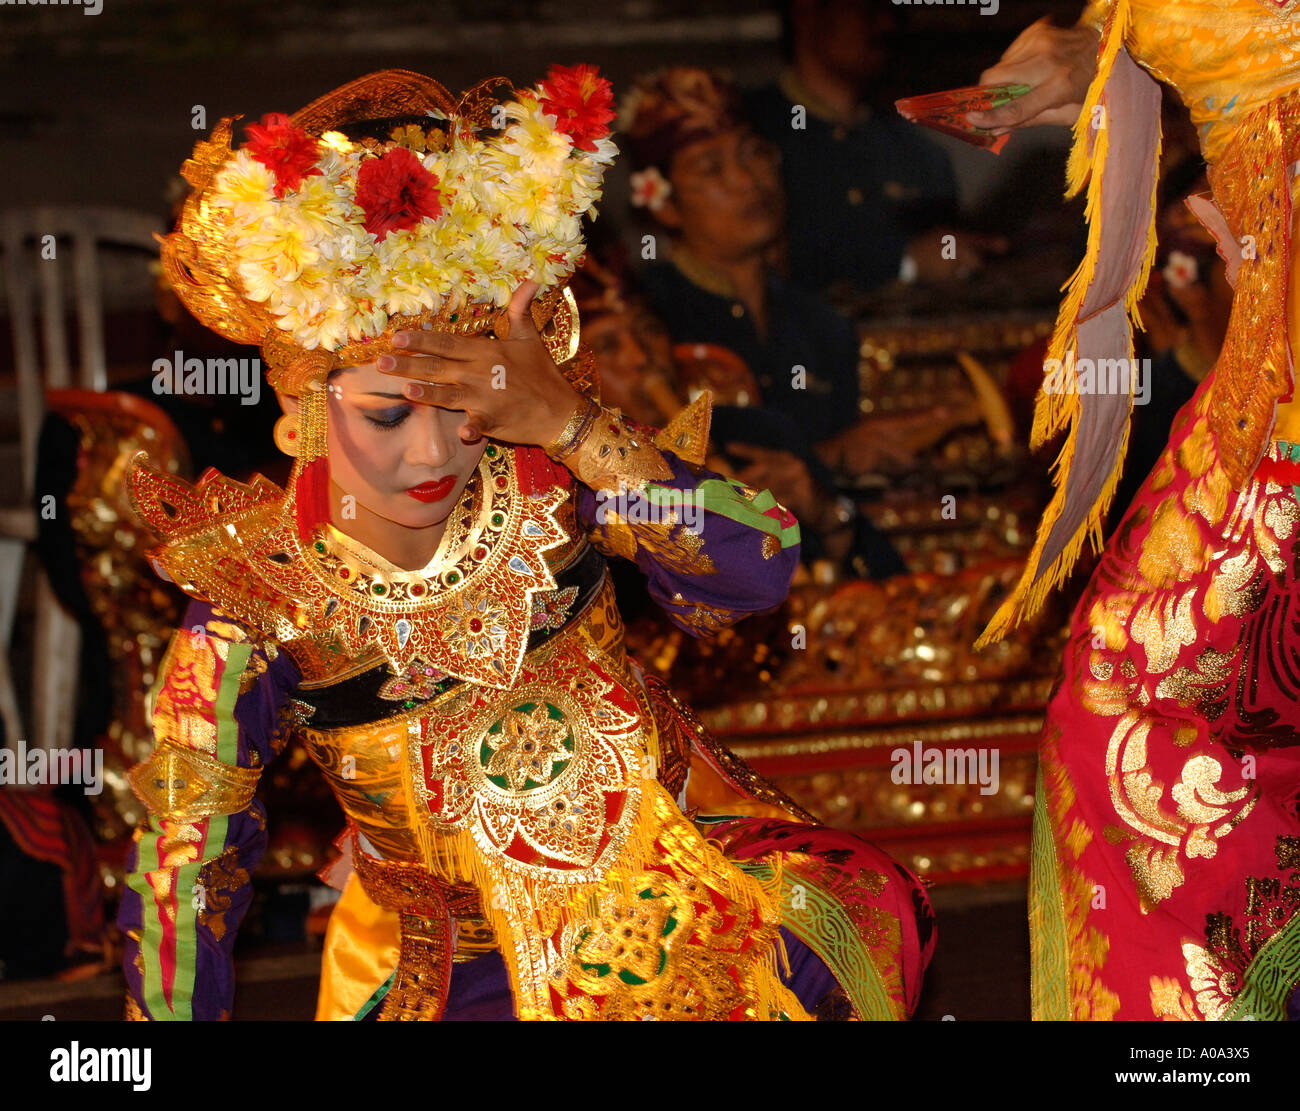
(312, 498)
(537, 473)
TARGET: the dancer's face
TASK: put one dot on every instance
(401, 460)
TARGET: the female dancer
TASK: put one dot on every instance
(1166, 861)
(428, 606)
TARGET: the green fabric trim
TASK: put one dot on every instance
(377, 998)
(826, 928)
(184, 880)
(1270, 978)
(150, 933)
(722, 496)
(187, 916)
(1049, 952)
(224, 708)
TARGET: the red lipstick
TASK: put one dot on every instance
(433, 491)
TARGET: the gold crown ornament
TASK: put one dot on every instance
(385, 205)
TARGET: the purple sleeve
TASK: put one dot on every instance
(712, 549)
(218, 713)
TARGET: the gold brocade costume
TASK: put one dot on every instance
(510, 779)
(522, 793)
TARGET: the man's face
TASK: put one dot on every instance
(727, 199)
(851, 37)
(635, 358)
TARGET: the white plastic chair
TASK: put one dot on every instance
(34, 290)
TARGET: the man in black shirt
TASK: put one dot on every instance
(867, 191)
(713, 185)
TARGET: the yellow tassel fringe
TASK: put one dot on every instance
(1055, 411)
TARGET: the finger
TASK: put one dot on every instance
(521, 320)
(445, 345)
(1046, 94)
(420, 368)
(445, 395)
(1056, 117)
(469, 432)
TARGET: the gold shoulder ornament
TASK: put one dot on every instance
(330, 602)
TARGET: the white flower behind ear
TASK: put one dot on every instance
(1181, 270)
(650, 189)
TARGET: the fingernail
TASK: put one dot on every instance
(386, 362)
(413, 391)
(401, 339)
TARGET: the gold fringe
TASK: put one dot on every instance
(1055, 411)
(419, 823)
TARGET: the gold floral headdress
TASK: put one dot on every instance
(389, 204)
(318, 246)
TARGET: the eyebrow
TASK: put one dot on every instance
(389, 396)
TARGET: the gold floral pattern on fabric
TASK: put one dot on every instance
(178, 844)
(675, 939)
(219, 879)
(665, 540)
(1213, 984)
(530, 744)
(701, 618)
(637, 958)
(1222, 967)
(1203, 812)
(183, 708)
(468, 613)
(543, 799)
(1171, 1001)
(536, 771)
(1148, 664)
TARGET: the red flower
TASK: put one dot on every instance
(287, 151)
(395, 191)
(581, 101)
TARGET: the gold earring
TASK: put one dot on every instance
(286, 435)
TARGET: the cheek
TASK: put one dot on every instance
(360, 457)
(660, 350)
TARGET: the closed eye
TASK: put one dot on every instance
(389, 418)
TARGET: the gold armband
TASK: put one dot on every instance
(609, 456)
(183, 785)
(574, 431)
(604, 453)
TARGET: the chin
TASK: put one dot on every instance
(413, 514)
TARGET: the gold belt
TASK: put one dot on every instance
(426, 908)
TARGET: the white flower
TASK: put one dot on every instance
(511, 210)
(650, 189)
(1181, 270)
